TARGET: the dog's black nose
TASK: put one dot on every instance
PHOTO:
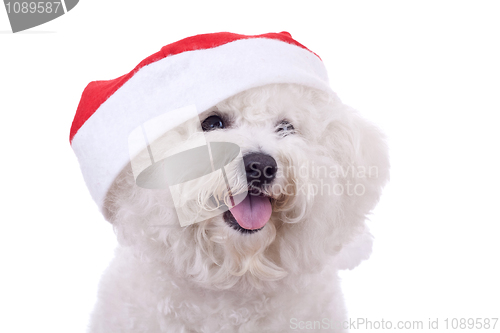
(260, 168)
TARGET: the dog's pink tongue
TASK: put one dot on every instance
(253, 212)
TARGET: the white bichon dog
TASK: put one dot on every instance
(310, 170)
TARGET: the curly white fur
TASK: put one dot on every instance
(208, 277)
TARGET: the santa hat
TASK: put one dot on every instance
(201, 70)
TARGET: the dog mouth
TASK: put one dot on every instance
(251, 214)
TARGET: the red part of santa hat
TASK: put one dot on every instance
(201, 70)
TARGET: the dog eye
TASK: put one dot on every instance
(212, 123)
(284, 128)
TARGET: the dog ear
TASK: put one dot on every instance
(360, 151)
(119, 189)
(370, 161)
(362, 155)
(120, 206)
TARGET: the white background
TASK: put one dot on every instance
(427, 72)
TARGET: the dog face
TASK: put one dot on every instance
(313, 168)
